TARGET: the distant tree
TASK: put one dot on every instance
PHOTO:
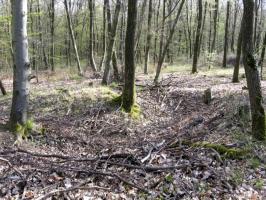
(238, 56)
(149, 37)
(215, 23)
(73, 37)
(21, 70)
(91, 45)
(52, 32)
(129, 91)
(262, 56)
(252, 74)
(226, 34)
(111, 29)
(197, 42)
(167, 43)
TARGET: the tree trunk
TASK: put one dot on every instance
(129, 93)
(156, 32)
(73, 38)
(197, 42)
(226, 34)
(252, 74)
(115, 67)
(262, 57)
(91, 43)
(52, 31)
(19, 108)
(103, 36)
(2, 88)
(112, 28)
(164, 51)
(234, 27)
(148, 41)
(216, 11)
(238, 56)
(44, 55)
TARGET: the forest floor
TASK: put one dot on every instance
(84, 147)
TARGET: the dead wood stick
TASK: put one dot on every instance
(119, 155)
(76, 187)
(11, 166)
(147, 168)
(94, 172)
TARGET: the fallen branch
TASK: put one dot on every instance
(76, 187)
(93, 172)
(11, 166)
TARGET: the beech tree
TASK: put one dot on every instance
(21, 69)
(129, 91)
(252, 74)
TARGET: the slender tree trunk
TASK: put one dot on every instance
(216, 11)
(203, 27)
(19, 108)
(112, 29)
(73, 38)
(52, 19)
(91, 40)
(238, 56)
(226, 34)
(156, 32)
(162, 31)
(164, 51)
(129, 91)
(2, 88)
(197, 42)
(33, 57)
(252, 74)
(115, 67)
(104, 35)
(44, 55)
(148, 40)
(262, 57)
(234, 27)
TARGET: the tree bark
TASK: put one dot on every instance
(91, 40)
(129, 93)
(2, 88)
(73, 38)
(197, 42)
(19, 108)
(148, 40)
(252, 74)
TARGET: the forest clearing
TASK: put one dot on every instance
(149, 99)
